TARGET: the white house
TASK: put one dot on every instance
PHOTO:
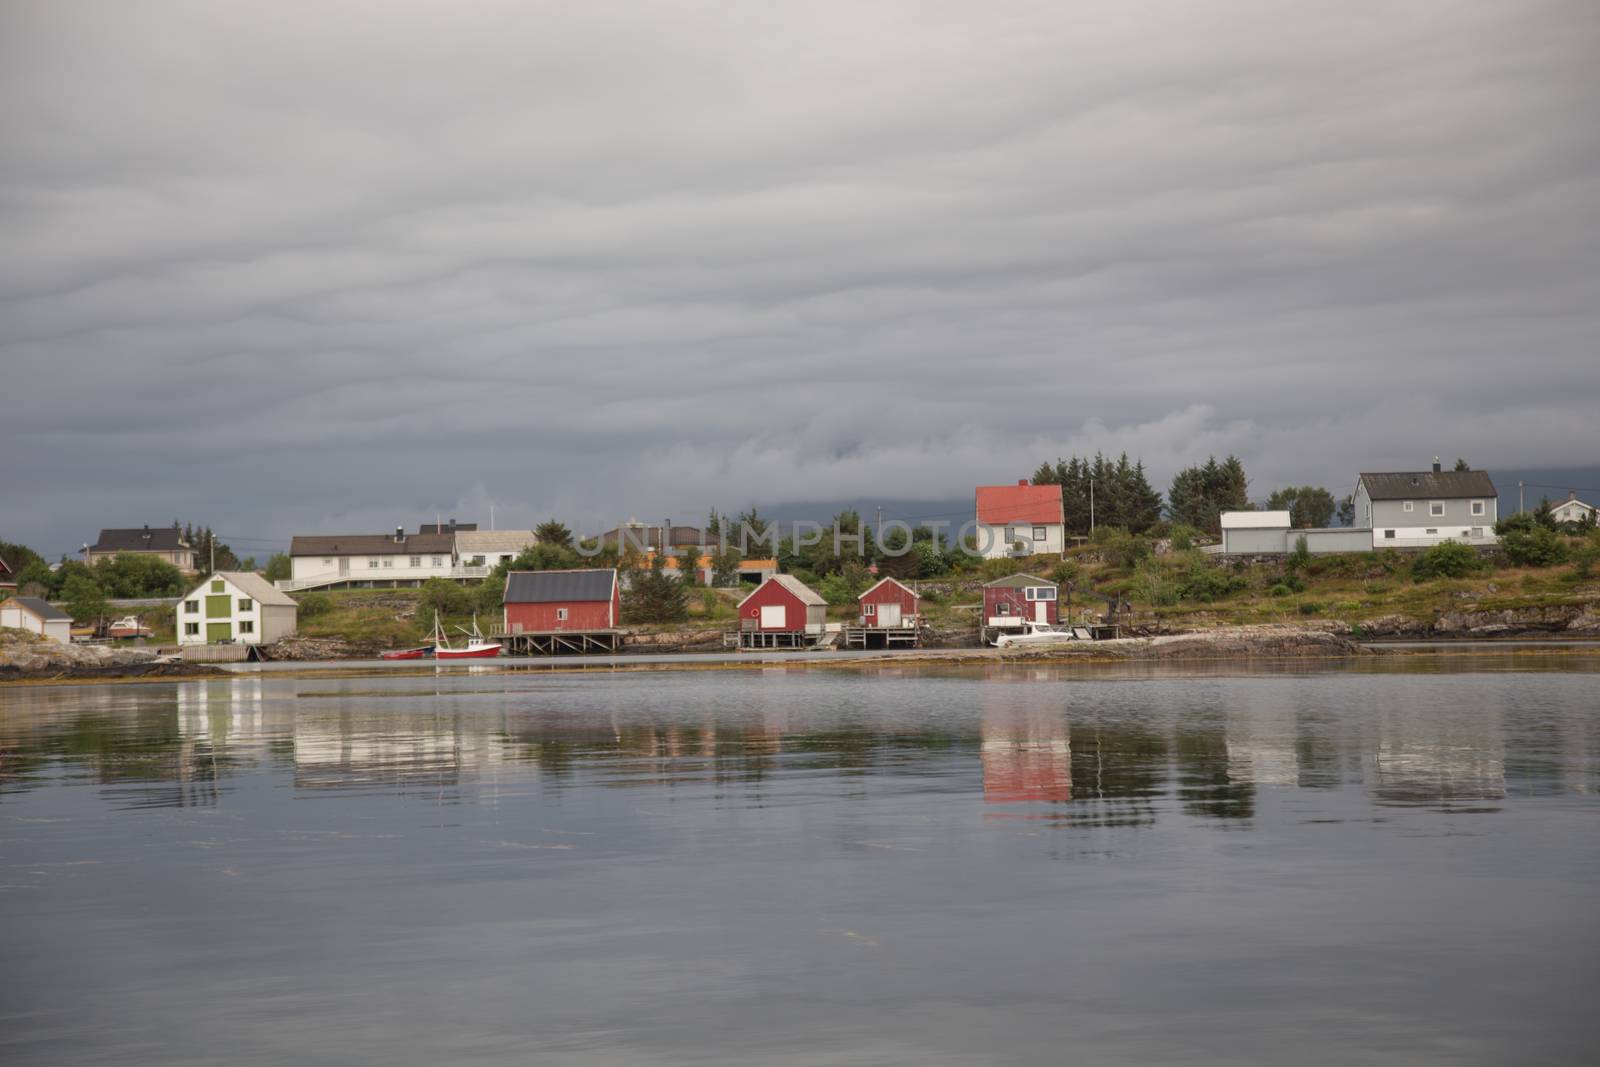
(1416, 509)
(357, 561)
(1573, 510)
(490, 548)
(36, 616)
(1020, 520)
(235, 607)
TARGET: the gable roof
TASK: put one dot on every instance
(141, 539)
(1436, 485)
(372, 545)
(39, 609)
(793, 585)
(252, 585)
(483, 542)
(554, 587)
(1018, 581)
(1023, 503)
(645, 537)
(914, 594)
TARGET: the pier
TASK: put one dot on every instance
(559, 642)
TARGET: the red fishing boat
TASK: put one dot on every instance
(477, 646)
(421, 652)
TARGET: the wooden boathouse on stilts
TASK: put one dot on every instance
(782, 613)
(890, 616)
(552, 613)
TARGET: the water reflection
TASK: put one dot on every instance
(1108, 754)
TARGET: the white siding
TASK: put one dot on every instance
(268, 622)
(994, 542)
(389, 568)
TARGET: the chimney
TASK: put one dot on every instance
(1022, 481)
(1436, 467)
(399, 535)
(452, 525)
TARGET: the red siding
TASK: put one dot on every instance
(1021, 607)
(773, 593)
(581, 615)
(888, 593)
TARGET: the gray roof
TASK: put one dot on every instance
(559, 587)
(372, 545)
(806, 594)
(142, 539)
(1429, 485)
(39, 609)
(1018, 581)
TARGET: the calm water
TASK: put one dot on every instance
(804, 867)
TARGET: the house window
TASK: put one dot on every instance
(246, 604)
(869, 609)
(372, 564)
(1407, 506)
(1477, 531)
(191, 629)
(1436, 508)
(1431, 533)
(438, 561)
(1388, 535)
(1038, 533)
(416, 561)
(1003, 608)
(388, 561)
(247, 626)
(191, 607)
(561, 615)
(327, 563)
(1477, 507)
(1039, 592)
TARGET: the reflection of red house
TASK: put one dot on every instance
(888, 605)
(544, 601)
(1027, 756)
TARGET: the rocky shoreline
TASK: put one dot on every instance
(25, 657)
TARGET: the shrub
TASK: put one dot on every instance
(1587, 555)
(313, 605)
(1183, 537)
(1123, 549)
(1205, 583)
(1064, 572)
(1532, 545)
(444, 596)
(1310, 607)
(1299, 555)
(1279, 590)
(1153, 585)
(836, 590)
(1450, 559)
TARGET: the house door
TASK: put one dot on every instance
(218, 631)
(888, 614)
(344, 566)
(774, 617)
(1039, 611)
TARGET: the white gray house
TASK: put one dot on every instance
(1415, 509)
(235, 607)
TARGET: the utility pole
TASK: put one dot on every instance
(880, 524)
(491, 516)
(1091, 507)
(1519, 497)
(211, 542)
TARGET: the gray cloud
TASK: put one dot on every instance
(284, 268)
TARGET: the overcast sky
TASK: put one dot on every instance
(335, 267)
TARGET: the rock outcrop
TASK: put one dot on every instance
(26, 656)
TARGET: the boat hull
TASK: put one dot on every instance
(470, 652)
(408, 653)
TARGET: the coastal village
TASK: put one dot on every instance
(1028, 571)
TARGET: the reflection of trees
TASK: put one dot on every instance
(1205, 786)
(1118, 772)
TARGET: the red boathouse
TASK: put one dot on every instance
(554, 601)
(782, 613)
(1009, 601)
(889, 605)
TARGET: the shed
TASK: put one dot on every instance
(1010, 600)
(573, 600)
(38, 617)
(236, 607)
(783, 604)
(1248, 532)
(889, 605)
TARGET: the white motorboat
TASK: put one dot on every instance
(1035, 633)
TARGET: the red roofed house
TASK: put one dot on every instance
(781, 613)
(1020, 520)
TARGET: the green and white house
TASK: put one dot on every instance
(235, 607)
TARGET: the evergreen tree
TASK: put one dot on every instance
(1308, 505)
(1462, 465)
(1199, 495)
(655, 597)
(553, 532)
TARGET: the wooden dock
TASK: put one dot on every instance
(882, 637)
(560, 642)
